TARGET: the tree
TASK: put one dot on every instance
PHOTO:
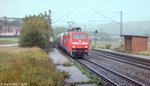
(35, 32)
(0, 27)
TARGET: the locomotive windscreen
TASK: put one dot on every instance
(79, 36)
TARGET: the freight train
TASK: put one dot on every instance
(74, 42)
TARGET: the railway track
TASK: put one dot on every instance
(122, 58)
(109, 76)
(106, 80)
(112, 77)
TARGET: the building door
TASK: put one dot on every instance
(128, 43)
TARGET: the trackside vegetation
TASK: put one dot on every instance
(28, 67)
(36, 31)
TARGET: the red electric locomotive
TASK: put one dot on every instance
(75, 42)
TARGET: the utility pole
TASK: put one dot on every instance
(84, 27)
(121, 29)
(48, 18)
(95, 33)
(50, 28)
(120, 23)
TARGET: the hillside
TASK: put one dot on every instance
(138, 27)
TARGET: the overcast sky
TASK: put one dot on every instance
(79, 11)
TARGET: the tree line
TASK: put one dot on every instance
(6, 21)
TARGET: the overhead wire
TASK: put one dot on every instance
(138, 9)
(100, 4)
(126, 12)
(61, 17)
(120, 4)
(107, 17)
(79, 6)
(112, 12)
(71, 11)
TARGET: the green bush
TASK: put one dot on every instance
(108, 46)
(35, 32)
(33, 38)
(120, 48)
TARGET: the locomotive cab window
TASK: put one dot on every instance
(79, 36)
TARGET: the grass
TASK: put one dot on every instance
(118, 47)
(104, 44)
(94, 79)
(67, 64)
(8, 40)
(147, 53)
(30, 66)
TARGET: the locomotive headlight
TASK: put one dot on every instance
(85, 43)
(86, 46)
(73, 47)
(75, 43)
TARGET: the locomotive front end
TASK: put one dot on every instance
(80, 44)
